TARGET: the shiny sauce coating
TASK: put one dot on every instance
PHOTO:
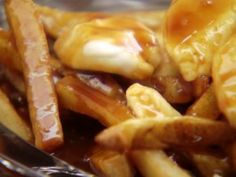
(188, 17)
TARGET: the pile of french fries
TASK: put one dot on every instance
(161, 82)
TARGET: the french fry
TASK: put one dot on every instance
(146, 102)
(102, 82)
(158, 134)
(12, 120)
(200, 85)
(111, 163)
(8, 53)
(32, 47)
(157, 164)
(192, 45)
(77, 96)
(101, 160)
(211, 165)
(223, 70)
(206, 106)
(16, 79)
(169, 82)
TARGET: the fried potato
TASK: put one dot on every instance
(224, 79)
(162, 133)
(157, 164)
(169, 82)
(78, 97)
(211, 165)
(206, 106)
(104, 83)
(32, 47)
(200, 85)
(16, 79)
(128, 48)
(193, 32)
(12, 120)
(146, 102)
(111, 163)
(8, 53)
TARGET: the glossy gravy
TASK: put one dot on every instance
(188, 17)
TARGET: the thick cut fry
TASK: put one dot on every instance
(224, 77)
(157, 164)
(169, 82)
(16, 79)
(8, 54)
(146, 102)
(77, 96)
(206, 106)
(211, 165)
(129, 48)
(193, 32)
(32, 46)
(11, 59)
(12, 120)
(103, 83)
(200, 85)
(154, 133)
(111, 163)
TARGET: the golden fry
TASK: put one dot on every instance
(32, 46)
(8, 53)
(12, 120)
(169, 82)
(211, 165)
(16, 79)
(162, 133)
(111, 163)
(200, 85)
(77, 96)
(206, 106)
(146, 102)
(103, 83)
(192, 38)
(157, 164)
(224, 79)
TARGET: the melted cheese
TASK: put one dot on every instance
(128, 49)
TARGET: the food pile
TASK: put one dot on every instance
(162, 83)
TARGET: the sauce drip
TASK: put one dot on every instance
(186, 17)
